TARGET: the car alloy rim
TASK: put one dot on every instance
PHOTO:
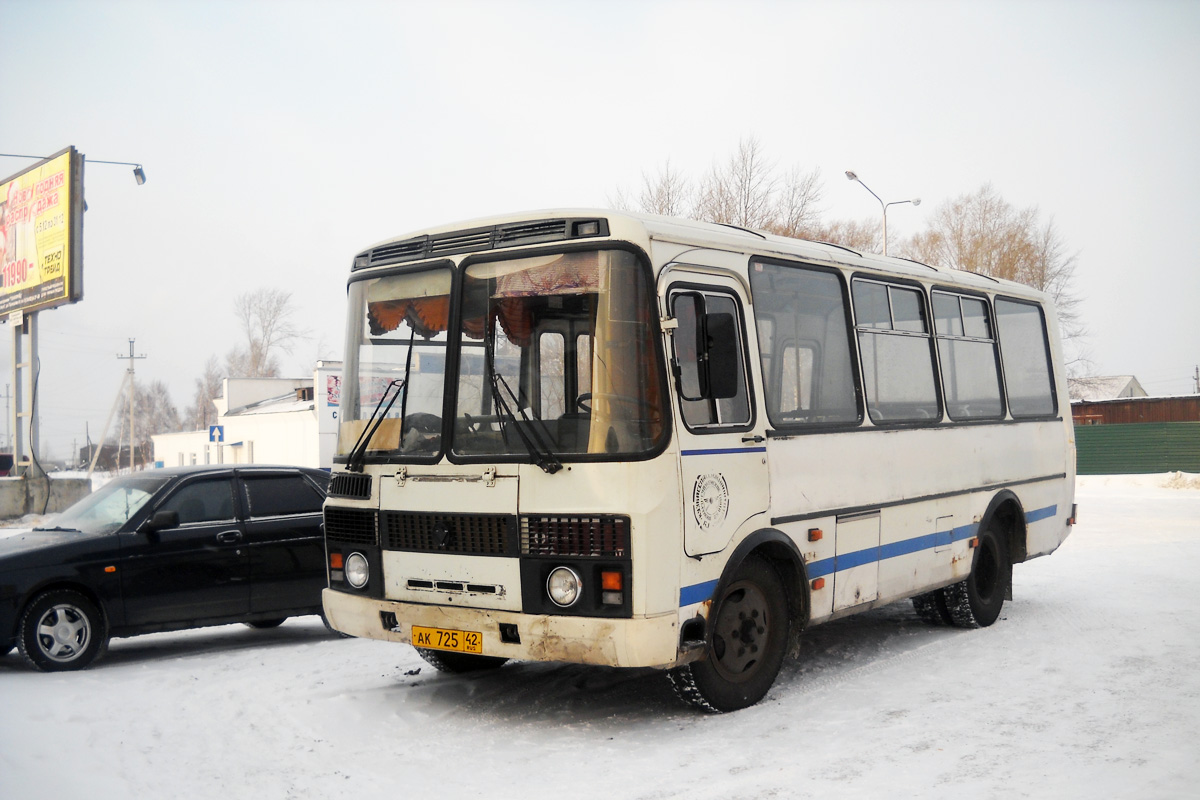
(63, 633)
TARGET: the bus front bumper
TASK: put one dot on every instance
(638, 642)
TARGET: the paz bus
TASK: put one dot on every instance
(618, 439)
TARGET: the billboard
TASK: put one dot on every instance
(41, 234)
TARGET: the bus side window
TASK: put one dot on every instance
(895, 348)
(1025, 355)
(802, 317)
(796, 379)
(967, 350)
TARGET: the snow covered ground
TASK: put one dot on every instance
(1087, 687)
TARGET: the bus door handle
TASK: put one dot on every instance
(754, 439)
(228, 537)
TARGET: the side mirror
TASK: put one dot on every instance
(160, 520)
(722, 350)
(706, 347)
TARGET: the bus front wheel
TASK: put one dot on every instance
(976, 601)
(747, 643)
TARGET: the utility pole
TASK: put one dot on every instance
(132, 441)
(7, 432)
(1196, 378)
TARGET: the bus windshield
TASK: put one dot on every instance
(396, 363)
(557, 357)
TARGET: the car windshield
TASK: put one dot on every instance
(111, 506)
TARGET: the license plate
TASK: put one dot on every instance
(442, 639)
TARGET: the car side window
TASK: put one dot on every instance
(202, 501)
(276, 495)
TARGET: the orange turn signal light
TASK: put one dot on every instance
(815, 534)
(335, 560)
(611, 580)
(975, 541)
(819, 583)
(110, 569)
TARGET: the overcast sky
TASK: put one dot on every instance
(280, 138)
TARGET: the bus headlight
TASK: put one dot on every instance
(357, 570)
(563, 586)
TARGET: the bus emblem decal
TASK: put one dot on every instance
(710, 500)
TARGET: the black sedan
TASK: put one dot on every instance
(164, 550)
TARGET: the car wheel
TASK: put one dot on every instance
(747, 643)
(263, 624)
(445, 661)
(62, 630)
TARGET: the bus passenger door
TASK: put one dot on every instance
(721, 442)
(856, 580)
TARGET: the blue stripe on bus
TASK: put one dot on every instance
(725, 451)
(696, 593)
(828, 566)
(1041, 513)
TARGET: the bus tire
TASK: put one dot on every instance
(747, 641)
(62, 630)
(931, 608)
(976, 601)
(445, 661)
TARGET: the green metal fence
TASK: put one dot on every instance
(1137, 448)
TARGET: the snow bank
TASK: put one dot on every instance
(1086, 687)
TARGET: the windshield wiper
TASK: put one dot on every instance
(543, 455)
(354, 461)
(59, 529)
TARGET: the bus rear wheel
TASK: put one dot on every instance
(747, 643)
(931, 608)
(976, 601)
(445, 661)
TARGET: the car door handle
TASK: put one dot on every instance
(225, 537)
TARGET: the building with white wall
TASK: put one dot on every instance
(264, 421)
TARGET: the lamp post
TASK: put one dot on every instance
(916, 201)
(139, 174)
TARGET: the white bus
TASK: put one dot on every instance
(648, 442)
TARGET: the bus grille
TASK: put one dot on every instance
(350, 526)
(575, 536)
(467, 534)
(474, 240)
(350, 484)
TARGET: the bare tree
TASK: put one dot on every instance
(981, 232)
(862, 236)
(154, 413)
(741, 191)
(667, 192)
(265, 317)
(208, 387)
(797, 212)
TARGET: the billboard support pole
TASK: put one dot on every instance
(24, 420)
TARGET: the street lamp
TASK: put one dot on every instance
(916, 201)
(139, 174)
